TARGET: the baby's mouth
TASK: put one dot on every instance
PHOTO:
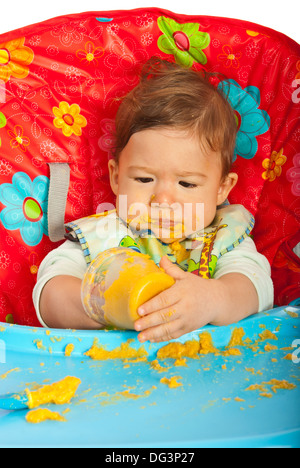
(163, 222)
(159, 226)
(167, 228)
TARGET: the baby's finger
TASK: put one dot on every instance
(164, 300)
(171, 268)
(165, 332)
(155, 318)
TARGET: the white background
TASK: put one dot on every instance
(281, 15)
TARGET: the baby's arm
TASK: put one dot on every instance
(57, 294)
(241, 287)
(61, 307)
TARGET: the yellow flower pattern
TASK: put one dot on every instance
(14, 59)
(273, 165)
(69, 119)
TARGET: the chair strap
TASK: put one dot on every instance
(57, 200)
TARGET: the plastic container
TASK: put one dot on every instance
(117, 282)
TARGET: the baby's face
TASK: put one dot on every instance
(172, 186)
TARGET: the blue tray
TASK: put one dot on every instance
(212, 408)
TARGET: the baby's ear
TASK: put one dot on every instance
(113, 175)
(226, 186)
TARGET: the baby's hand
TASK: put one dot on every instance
(182, 308)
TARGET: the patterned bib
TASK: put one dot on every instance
(197, 254)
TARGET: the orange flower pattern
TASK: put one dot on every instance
(229, 58)
(18, 140)
(14, 59)
(273, 165)
(90, 54)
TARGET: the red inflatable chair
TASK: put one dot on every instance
(60, 81)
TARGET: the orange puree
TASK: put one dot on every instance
(172, 382)
(267, 335)
(178, 350)
(43, 414)
(231, 352)
(236, 338)
(275, 385)
(206, 344)
(269, 347)
(69, 349)
(179, 251)
(156, 366)
(99, 353)
(58, 393)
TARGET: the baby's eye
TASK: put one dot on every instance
(144, 180)
(187, 184)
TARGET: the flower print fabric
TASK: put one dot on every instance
(2, 123)
(106, 141)
(251, 121)
(90, 54)
(15, 59)
(18, 139)
(293, 175)
(273, 165)
(26, 205)
(184, 41)
(229, 58)
(68, 118)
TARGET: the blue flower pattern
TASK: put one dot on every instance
(26, 206)
(251, 120)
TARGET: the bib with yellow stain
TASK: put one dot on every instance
(198, 253)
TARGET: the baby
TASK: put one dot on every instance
(175, 139)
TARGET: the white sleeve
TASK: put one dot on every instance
(246, 260)
(68, 259)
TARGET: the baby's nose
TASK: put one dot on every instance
(163, 195)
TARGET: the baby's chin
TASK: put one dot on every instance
(167, 238)
(170, 241)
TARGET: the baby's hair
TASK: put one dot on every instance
(169, 95)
